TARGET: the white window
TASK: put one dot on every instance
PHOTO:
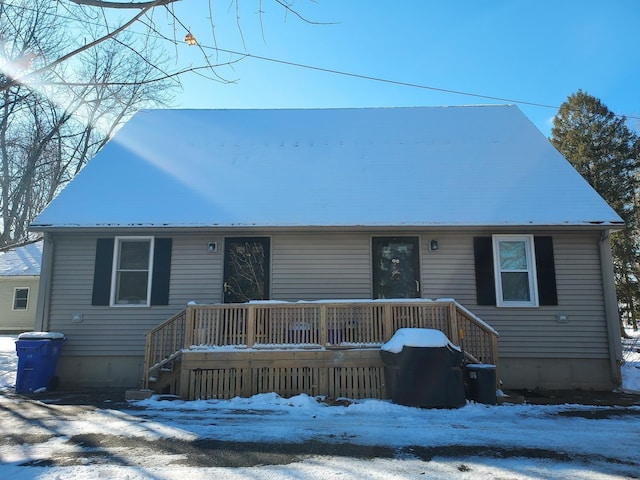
(132, 261)
(21, 298)
(514, 267)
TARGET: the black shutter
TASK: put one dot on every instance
(545, 271)
(161, 271)
(102, 272)
(485, 280)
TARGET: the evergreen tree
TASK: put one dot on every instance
(607, 154)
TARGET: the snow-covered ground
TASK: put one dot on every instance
(631, 367)
(550, 442)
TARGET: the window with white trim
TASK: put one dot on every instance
(514, 268)
(21, 298)
(132, 271)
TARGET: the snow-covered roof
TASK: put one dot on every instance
(420, 166)
(21, 261)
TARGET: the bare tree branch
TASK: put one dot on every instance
(89, 45)
(58, 115)
(206, 58)
(47, 134)
(288, 7)
(167, 76)
(123, 5)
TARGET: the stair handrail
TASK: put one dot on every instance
(164, 344)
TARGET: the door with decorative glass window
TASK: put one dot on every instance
(246, 269)
(396, 267)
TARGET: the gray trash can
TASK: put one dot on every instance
(481, 382)
(37, 360)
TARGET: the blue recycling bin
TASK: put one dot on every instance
(37, 360)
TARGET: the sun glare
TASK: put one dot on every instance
(21, 71)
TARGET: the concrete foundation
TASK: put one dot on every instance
(556, 374)
(125, 372)
(80, 373)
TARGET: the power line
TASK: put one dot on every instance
(383, 80)
(398, 82)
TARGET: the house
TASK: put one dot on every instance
(191, 216)
(19, 277)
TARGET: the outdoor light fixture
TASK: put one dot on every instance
(212, 247)
(190, 39)
(433, 245)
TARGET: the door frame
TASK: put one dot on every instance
(267, 261)
(417, 260)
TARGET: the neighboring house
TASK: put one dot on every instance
(19, 277)
(210, 206)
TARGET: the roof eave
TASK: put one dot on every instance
(598, 225)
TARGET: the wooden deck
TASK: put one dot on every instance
(318, 348)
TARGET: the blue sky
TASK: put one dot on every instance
(530, 51)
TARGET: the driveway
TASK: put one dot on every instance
(44, 419)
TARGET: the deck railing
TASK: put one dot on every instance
(313, 325)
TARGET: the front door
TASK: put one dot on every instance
(396, 267)
(246, 269)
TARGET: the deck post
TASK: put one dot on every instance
(147, 360)
(189, 326)
(494, 359)
(388, 322)
(323, 325)
(251, 326)
(453, 324)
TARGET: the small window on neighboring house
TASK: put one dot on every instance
(514, 268)
(132, 265)
(20, 298)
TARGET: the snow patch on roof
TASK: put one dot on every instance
(22, 261)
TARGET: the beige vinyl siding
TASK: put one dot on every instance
(537, 332)
(17, 320)
(72, 276)
(195, 275)
(529, 332)
(320, 266)
(314, 266)
(449, 272)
